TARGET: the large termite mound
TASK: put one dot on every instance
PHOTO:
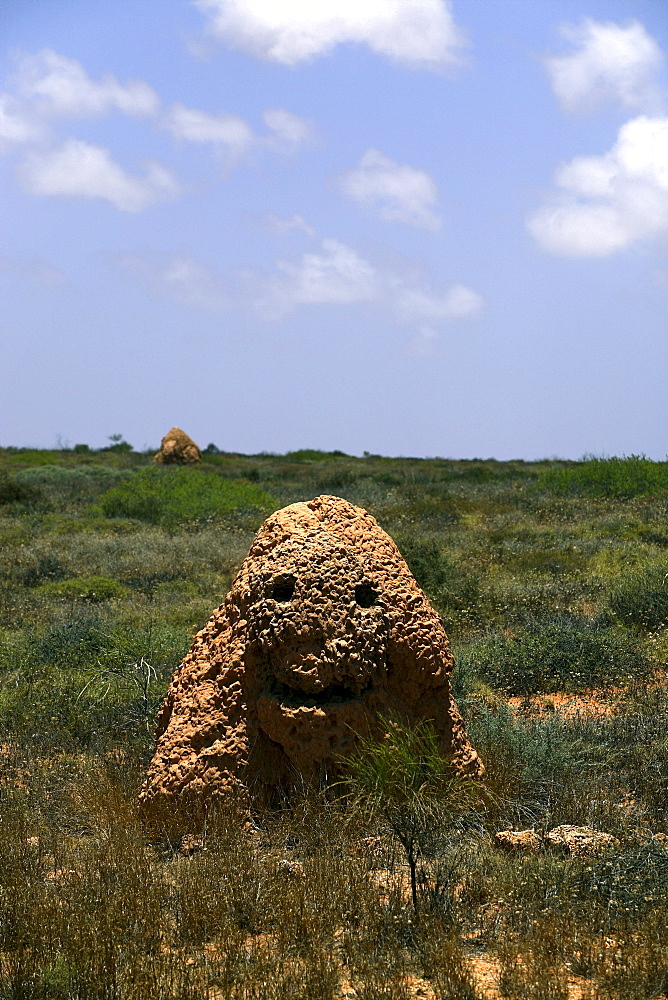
(323, 632)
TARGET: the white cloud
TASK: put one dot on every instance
(39, 272)
(609, 202)
(422, 304)
(420, 33)
(62, 88)
(334, 275)
(234, 135)
(398, 192)
(81, 170)
(284, 224)
(15, 126)
(288, 129)
(337, 275)
(610, 63)
(182, 279)
(227, 131)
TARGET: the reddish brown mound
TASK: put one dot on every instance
(518, 841)
(176, 448)
(324, 630)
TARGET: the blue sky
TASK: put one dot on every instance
(410, 227)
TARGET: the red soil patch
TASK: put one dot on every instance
(601, 704)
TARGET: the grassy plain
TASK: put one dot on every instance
(552, 580)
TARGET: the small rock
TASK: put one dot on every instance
(579, 841)
(519, 841)
(176, 448)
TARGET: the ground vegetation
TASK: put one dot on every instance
(552, 580)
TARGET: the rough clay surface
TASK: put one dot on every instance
(580, 840)
(176, 448)
(324, 629)
(518, 841)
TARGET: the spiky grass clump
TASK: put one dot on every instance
(403, 781)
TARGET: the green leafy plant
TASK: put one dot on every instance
(170, 496)
(451, 589)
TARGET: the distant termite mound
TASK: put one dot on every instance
(324, 632)
(176, 448)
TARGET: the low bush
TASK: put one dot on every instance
(46, 569)
(402, 780)
(30, 456)
(540, 770)
(632, 881)
(642, 598)
(621, 478)
(12, 491)
(558, 652)
(77, 639)
(170, 496)
(84, 588)
(443, 581)
(313, 455)
(83, 483)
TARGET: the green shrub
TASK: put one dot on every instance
(440, 578)
(642, 598)
(541, 769)
(621, 478)
(170, 496)
(634, 880)
(426, 562)
(555, 653)
(118, 445)
(32, 456)
(402, 780)
(61, 484)
(12, 491)
(313, 455)
(47, 569)
(76, 640)
(84, 588)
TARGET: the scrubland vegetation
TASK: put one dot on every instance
(552, 578)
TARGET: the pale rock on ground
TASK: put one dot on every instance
(580, 841)
(518, 841)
